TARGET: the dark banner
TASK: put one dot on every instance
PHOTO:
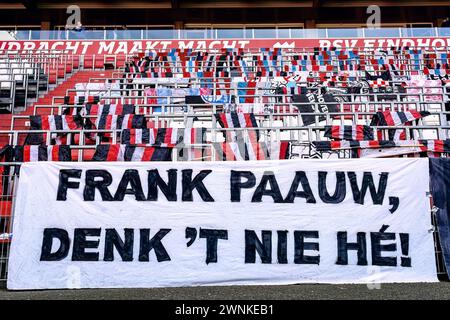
(440, 189)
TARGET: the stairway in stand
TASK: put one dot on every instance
(47, 100)
(60, 90)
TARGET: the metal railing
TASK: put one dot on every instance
(9, 177)
(8, 184)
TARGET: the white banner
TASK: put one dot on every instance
(114, 225)
(122, 47)
(98, 89)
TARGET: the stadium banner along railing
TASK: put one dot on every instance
(108, 225)
(93, 47)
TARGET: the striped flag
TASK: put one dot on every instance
(80, 100)
(279, 150)
(238, 120)
(109, 152)
(147, 153)
(138, 136)
(116, 122)
(371, 149)
(241, 151)
(109, 109)
(397, 118)
(325, 146)
(53, 122)
(353, 132)
(42, 153)
(439, 146)
(121, 152)
(164, 136)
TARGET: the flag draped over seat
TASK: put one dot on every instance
(325, 146)
(147, 153)
(238, 120)
(121, 152)
(109, 152)
(117, 122)
(244, 151)
(353, 132)
(438, 146)
(396, 118)
(42, 153)
(53, 122)
(109, 109)
(80, 100)
(164, 136)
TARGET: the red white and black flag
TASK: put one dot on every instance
(147, 153)
(397, 118)
(353, 132)
(138, 136)
(438, 146)
(53, 122)
(110, 109)
(117, 122)
(280, 150)
(164, 136)
(326, 146)
(371, 149)
(120, 152)
(109, 152)
(238, 120)
(80, 100)
(241, 151)
(42, 153)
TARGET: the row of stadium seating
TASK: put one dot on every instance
(20, 79)
(353, 97)
(237, 62)
(227, 105)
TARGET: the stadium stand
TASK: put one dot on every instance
(222, 105)
(267, 95)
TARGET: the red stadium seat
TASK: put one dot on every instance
(99, 62)
(69, 64)
(52, 76)
(88, 62)
(120, 61)
(61, 71)
(5, 209)
(76, 61)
